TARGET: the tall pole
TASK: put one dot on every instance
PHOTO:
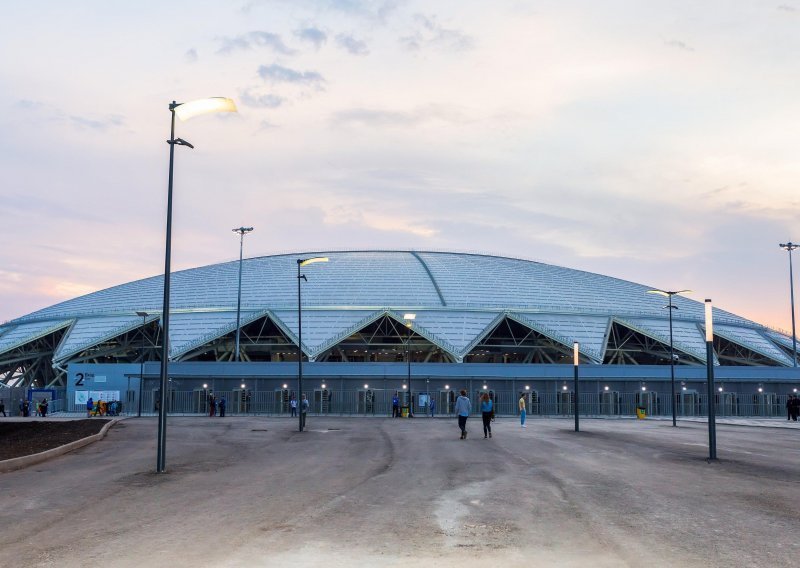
(299, 350)
(672, 364)
(575, 361)
(162, 407)
(408, 357)
(141, 362)
(712, 426)
(789, 247)
(242, 232)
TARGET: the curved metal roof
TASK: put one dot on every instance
(457, 298)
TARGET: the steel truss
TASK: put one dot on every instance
(628, 347)
(384, 341)
(512, 342)
(30, 365)
(733, 354)
(135, 346)
(259, 341)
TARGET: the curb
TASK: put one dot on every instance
(25, 461)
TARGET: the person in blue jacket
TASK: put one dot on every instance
(487, 412)
(463, 406)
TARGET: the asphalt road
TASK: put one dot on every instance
(366, 492)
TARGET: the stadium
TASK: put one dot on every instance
(376, 324)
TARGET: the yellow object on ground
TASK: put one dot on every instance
(640, 413)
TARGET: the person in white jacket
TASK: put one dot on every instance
(463, 406)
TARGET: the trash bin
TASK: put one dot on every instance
(641, 412)
(404, 411)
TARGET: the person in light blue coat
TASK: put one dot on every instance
(463, 406)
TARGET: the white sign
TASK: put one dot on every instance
(82, 397)
(99, 379)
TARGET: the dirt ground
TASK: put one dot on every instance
(23, 438)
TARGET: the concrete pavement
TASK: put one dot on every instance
(355, 492)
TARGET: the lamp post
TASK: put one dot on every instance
(712, 426)
(242, 232)
(669, 295)
(302, 262)
(184, 111)
(575, 362)
(789, 247)
(409, 319)
(142, 315)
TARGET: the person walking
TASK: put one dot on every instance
(43, 407)
(795, 407)
(212, 405)
(463, 406)
(433, 406)
(3, 408)
(303, 410)
(789, 406)
(293, 406)
(487, 406)
(522, 410)
(89, 407)
(222, 407)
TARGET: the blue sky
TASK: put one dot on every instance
(655, 142)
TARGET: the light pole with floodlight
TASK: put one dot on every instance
(575, 362)
(712, 425)
(789, 247)
(242, 232)
(669, 295)
(409, 319)
(184, 111)
(302, 262)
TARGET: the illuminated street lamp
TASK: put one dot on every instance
(712, 426)
(302, 262)
(184, 111)
(409, 319)
(789, 247)
(669, 295)
(575, 362)
(242, 232)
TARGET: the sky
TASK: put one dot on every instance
(655, 142)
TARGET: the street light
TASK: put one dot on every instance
(409, 319)
(184, 111)
(242, 232)
(142, 315)
(302, 262)
(669, 295)
(575, 362)
(789, 247)
(712, 426)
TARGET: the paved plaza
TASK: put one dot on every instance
(381, 492)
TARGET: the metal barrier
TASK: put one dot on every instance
(378, 402)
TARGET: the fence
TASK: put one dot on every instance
(378, 402)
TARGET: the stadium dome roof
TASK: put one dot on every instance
(457, 298)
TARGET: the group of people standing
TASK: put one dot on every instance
(214, 405)
(792, 407)
(464, 405)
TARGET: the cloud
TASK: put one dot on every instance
(430, 33)
(678, 44)
(787, 8)
(28, 104)
(280, 74)
(97, 124)
(190, 56)
(378, 117)
(253, 39)
(312, 35)
(268, 100)
(352, 45)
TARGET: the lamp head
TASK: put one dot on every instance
(306, 261)
(242, 230)
(198, 107)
